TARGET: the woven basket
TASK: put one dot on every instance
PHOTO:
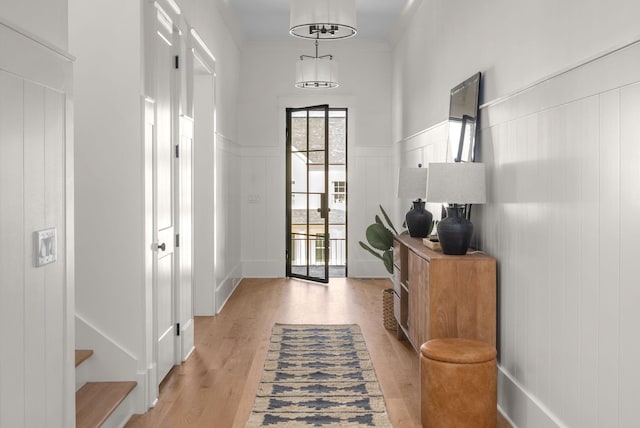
(388, 318)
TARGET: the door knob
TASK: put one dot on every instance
(162, 246)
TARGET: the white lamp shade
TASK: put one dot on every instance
(456, 183)
(412, 183)
(316, 73)
(338, 16)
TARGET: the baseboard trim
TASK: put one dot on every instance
(367, 269)
(139, 394)
(152, 391)
(263, 268)
(507, 418)
(189, 353)
(521, 408)
(187, 338)
(227, 287)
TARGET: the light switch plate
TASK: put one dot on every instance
(46, 246)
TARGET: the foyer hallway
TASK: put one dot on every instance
(216, 386)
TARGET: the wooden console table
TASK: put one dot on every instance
(437, 295)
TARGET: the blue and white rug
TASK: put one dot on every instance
(318, 376)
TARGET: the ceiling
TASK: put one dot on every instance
(268, 20)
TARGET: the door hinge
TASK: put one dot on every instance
(177, 150)
(177, 240)
(178, 329)
(177, 61)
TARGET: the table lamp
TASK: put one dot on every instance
(457, 184)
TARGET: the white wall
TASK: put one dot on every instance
(568, 284)
(46, 19)
(203, 212)
(207, 20)
(268, 74)
(220, 267)
(227, 267)
(109, 166)
(36, 193)
(562, 173)
(513, 43)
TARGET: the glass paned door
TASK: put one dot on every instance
(307, 189)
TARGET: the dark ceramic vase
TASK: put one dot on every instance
(454, 232)
(418, 220)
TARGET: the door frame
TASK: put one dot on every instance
(185, 44)
(160, 21)
(311, 98)
(183, 212)
(165, 26)
(201, 65)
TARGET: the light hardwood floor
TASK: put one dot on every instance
(216, 386)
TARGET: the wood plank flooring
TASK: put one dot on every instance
(216, 386)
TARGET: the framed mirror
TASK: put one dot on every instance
(463, 116)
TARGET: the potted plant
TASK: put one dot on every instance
(380, 238)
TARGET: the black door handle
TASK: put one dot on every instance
(162, 246)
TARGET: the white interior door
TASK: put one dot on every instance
(164, 207)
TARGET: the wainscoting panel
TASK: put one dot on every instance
(36, 387)
(553, 192)
(262, 211)
(629, 209)
(563, 173)
(371, 183)
(608, 334)
(227, 219)
(34, 152)
(13, 251)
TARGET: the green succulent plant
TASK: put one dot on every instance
(380, 238)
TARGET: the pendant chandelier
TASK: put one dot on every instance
(323, 19)
(316, 72)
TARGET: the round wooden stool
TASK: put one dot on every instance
(458, 384)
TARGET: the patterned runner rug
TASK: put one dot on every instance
(318, 376)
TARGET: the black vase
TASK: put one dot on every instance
(454, 232)
(418, 220)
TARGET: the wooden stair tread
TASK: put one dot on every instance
(82, 354)
(95, 401)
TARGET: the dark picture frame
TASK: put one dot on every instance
(463, 117)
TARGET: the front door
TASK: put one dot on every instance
(307, 193)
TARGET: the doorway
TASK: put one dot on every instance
(169, 136)
(165, 223)
(316, 197)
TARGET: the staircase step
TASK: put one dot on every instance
(82, 354)
(95, 401)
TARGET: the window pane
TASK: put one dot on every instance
(299, 134)
(338, 140)
(316, 133)
(298, 172)
(316, 179)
